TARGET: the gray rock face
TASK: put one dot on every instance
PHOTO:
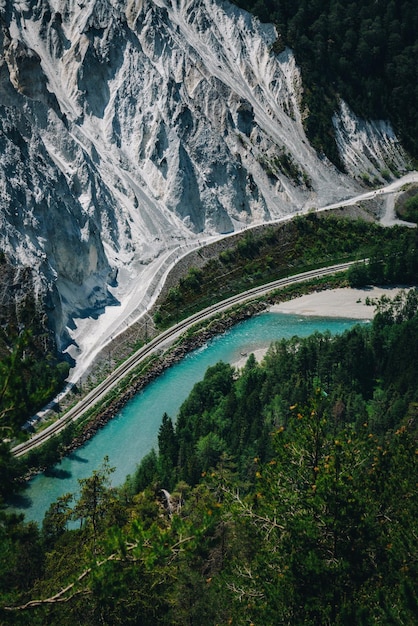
(128, 126)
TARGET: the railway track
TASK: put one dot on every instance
(166, 337)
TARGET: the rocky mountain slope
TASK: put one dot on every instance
(129, 128)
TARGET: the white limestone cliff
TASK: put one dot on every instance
(131, 127)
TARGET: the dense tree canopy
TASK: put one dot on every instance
(284, 493)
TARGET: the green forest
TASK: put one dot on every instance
(284, 493)
(31, 369)
(364, 53)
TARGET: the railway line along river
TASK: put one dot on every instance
(132, 433)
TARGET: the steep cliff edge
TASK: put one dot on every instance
(131, 127)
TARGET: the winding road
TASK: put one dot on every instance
(156, 344)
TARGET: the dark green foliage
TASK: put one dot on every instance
(411, 209)
(406, 205)
(27, 381)
(168, 452)
(30, 369)
(397, 263)
(192, 280)
(96, 501)
(322, 527)
(248, 247)
(285, 164)
(56, 519)
(50, 452)
(362, 52)
(22, 557)
(146, 473)
(9, 472)
(190, 428)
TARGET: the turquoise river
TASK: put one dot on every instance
(132, 433)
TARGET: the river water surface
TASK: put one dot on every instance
(133, 432)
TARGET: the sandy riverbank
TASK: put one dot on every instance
(348, 303)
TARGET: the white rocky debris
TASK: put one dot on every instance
(367, 149)
(131, 127)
